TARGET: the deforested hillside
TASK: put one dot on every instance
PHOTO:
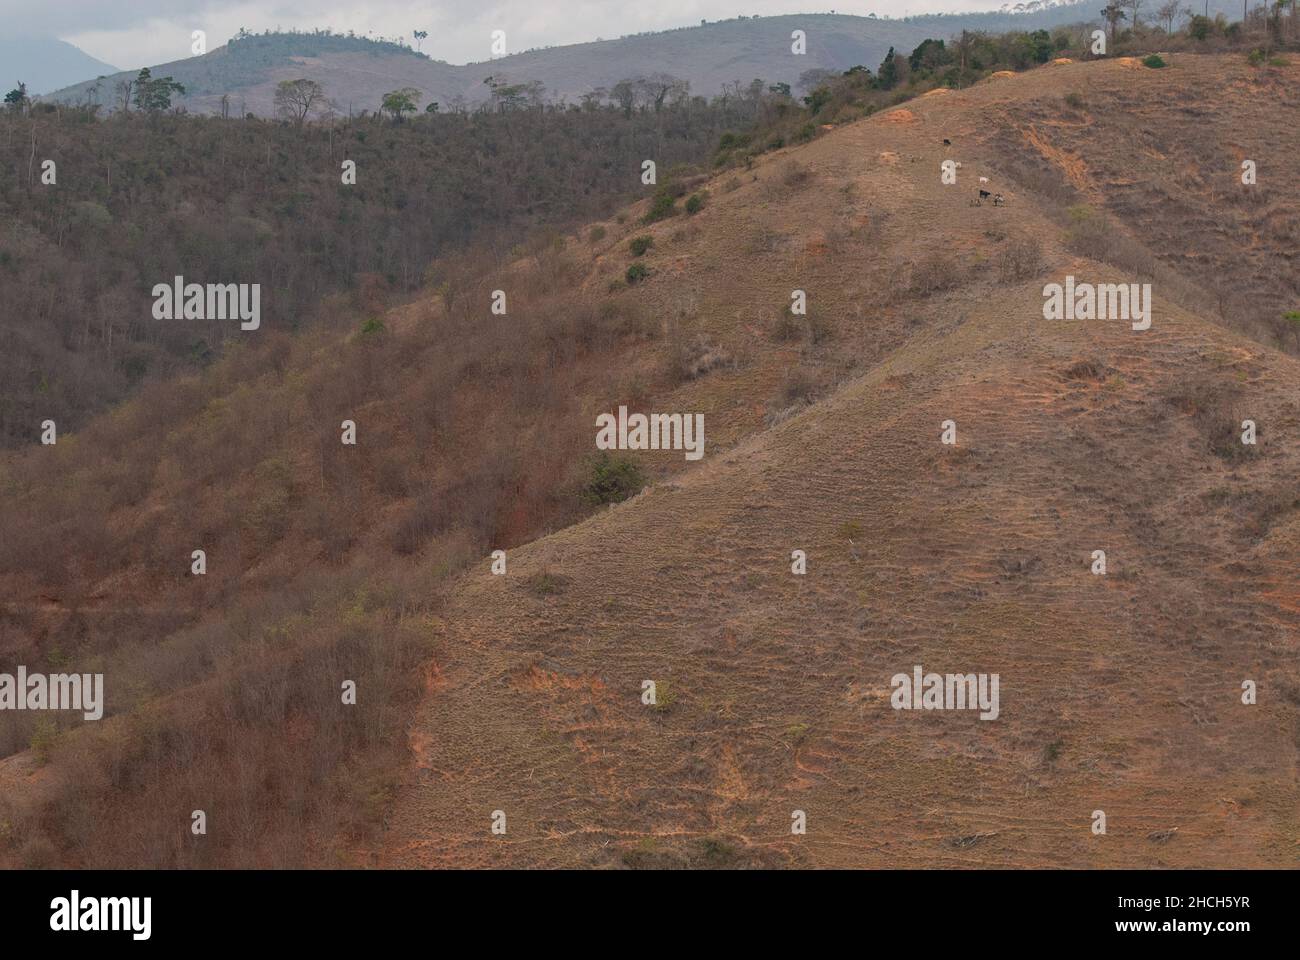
(1121, 691)
(523, 691)
(1159, 154)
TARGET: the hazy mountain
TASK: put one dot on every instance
(356, 72)
(45, 64)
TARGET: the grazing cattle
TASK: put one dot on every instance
(947, 142)
(984, 194)
(984, 179)
(997, 200)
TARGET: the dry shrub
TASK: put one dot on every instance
(229, 702)
(1264, 508)
(1087, 369)
(703, 356)
(335, 524)
(420, 520)
(935, 273)
(1248, 195)
(1020, 260)
(794, 174)
(265, 746)
(546, 583)
(1214, 406)
(1094, 235)
(798, 388)
(818, 328)
(787, 327)
(1284, 230)
(679, 340)
(1032, 173)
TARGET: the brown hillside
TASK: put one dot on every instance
(370, 562)
(1119, 693)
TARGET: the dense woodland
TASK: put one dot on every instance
(140, 199)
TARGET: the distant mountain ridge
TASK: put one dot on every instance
(45, 64)
(357, 72)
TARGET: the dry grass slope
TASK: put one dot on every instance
(1119, 693)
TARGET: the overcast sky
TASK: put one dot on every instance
(135, 33)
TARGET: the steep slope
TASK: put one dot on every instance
(357, 74)
(1157, 151)
(1120, 693)
(326, 561)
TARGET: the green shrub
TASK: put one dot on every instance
(662, 207)
(597, 234)
(641, 244)
(665, 696)
(850, 530)
(636, 273)
(695, 203)
(611, 479)
(1155, 61)
(717, 852)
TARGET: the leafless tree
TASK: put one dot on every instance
(124, 89)
(1113, 14)
(810, 80)
(295, 99)
(1168, 12)
(658, 87)
(624, 94)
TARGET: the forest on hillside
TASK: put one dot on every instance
(142, 198)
